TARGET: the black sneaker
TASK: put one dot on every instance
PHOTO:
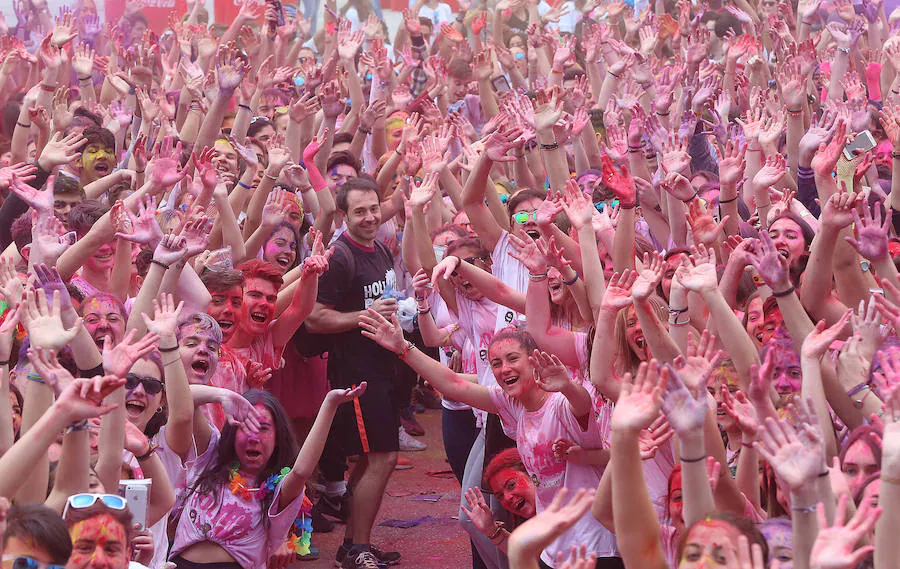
(385, 558)
(389, 557)
(336, 507)
(361, 560)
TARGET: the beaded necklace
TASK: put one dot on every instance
(298, 539)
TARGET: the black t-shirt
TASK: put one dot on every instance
(356, 277)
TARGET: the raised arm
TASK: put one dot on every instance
(389, 336)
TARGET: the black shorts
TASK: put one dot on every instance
(370, 423)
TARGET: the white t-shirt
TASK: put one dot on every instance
(535, 433)
(478, 320)
(443, 13)
(513, 274)
(459, 340)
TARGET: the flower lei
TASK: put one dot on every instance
(299, 536)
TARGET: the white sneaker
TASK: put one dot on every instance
(408, 443)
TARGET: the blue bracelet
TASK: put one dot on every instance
(243, 185)
(36, 377)
(573, 281)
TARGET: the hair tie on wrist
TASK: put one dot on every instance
(783, 293)
(573, 281)
(243, 185)
(159, 263)
(721, 201)
(693, 459)
(166, 350)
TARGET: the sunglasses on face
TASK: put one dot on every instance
(151, 385)
(25, 562)
(523, 216)
(471, 261)
(82, 501)
(602, 205)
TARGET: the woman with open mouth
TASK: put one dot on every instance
(537, 399)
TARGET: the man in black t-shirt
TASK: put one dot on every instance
(361, 269)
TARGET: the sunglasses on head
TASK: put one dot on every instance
(25, 562)
(82, 501)
(151, 385)
(523, 216)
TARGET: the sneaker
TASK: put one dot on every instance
(390, 557)
(334, 507)
(411, 426)
(384, 558)
(320, 523)
(403, 463)
(361, 560)
(408, 443)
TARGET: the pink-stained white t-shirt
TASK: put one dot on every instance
(230, 374)
(535, 433)
(235, 524)
(262, 349)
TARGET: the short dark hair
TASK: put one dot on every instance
(342, 157)
(342, 138)
(67, 185)
(93, 117)
(257, 124)
(40, 525)
(459, 69)
(220, 280)
(99, 135)
(259, 269)
(363, 183)
(83, 216)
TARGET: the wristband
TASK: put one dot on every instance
(139, 171)
(824, 474)
(690, 460)
(23, 125)
(406, 348)
(890, 480)
(4, 363)
(35, 377)
(48, 88)
(425, 310)
(795, 112)
(166, 350)
(88, 78)
(537, 276)
(499, 527)
(857, 388)
(160, 263)
(241, 106)
(721, 201)
(807, 509)
(271, 177)
(783, 293)
(243, 185)
(676, 323)
(552, 146)
(844, 49)
(77, 426)
(573, 281)
(364, 131)
(662, 114)
(613, 74)
(746, 444)
(678, 310)
(893, 154)
(151, 450)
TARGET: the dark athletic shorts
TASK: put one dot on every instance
(371, 423)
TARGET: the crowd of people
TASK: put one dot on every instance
(644, 259)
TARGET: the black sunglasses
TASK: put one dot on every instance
(151, 385)
(471, 261)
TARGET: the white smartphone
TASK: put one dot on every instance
(863, 142)
(137, 494)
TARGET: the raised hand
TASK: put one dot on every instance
(165, 316)
(704, 228)
(641, 398)
(83, 397)
(43, 323)
(386, 333)
(817, 342)
(536, 534)
(684, 408)
(231, 66)
(144, 229)
(525, 250)
(742, 412)
(117, 361)
(795, 455)
(770, 264)
(697, 271)
(165, 168)
(836, 546)
(648, 276)
(205, 167)
(695, 367)
(871, 233)
(618, 291)
(551, 374)
(620, 182)
(195, 233)
(60, 150)
(478, 511)
(11, 286)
